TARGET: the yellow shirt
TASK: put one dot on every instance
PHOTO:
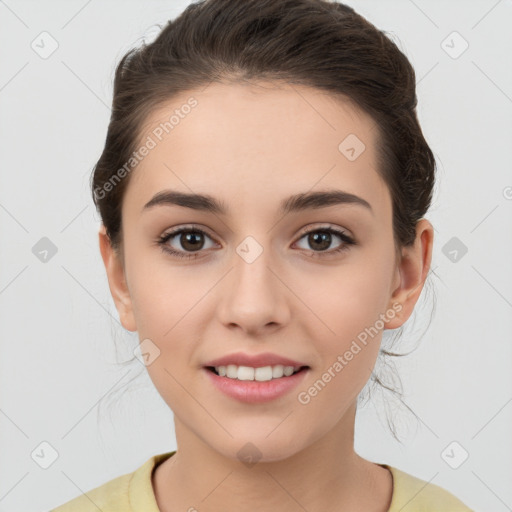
(133, 492)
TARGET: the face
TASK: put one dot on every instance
(316, 282)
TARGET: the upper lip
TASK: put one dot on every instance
(255, 361)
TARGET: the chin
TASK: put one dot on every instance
(259, 448)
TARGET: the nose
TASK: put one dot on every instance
(253, 297)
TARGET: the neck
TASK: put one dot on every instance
(327, 475)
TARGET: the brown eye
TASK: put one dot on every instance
(319, 240)
(188, 242)
(191, 240)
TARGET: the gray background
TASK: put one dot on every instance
(59, 326)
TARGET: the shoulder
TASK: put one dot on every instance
(131, 491)
(413, 494)
(109, 497)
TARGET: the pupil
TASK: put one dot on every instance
(321, 236)
(192, 239)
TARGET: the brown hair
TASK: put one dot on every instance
(317, 43)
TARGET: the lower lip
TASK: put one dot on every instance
(256, 392)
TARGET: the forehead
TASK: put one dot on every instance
(255, 140)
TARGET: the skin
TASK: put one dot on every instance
(252, 145)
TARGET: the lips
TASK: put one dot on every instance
(253, 391)
(255, 361)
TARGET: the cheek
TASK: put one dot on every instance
(352, 299)
(161, 294)
(351, 307)
(165, 304)
(168, 305)
(351, 304)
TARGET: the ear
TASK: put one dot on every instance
(411, 274)
(117, 281)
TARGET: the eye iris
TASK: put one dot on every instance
(320, 236)
(192, 238)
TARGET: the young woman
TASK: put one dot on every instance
(262, 190)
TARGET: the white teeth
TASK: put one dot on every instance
(232, 371)
(277, 371)
(245, 373)
(288, 370)
(264, 373)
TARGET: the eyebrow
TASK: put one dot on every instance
(295, 203)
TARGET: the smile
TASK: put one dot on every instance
(255, 385)
(261, 374)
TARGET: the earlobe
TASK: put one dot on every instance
(117, 281)
(412, 270)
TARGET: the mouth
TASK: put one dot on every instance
(258, 374)
(256, 385)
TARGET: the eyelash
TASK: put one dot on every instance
(162, 241)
